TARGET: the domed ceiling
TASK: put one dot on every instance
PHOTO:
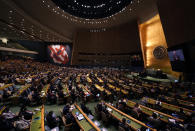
(59, 20)
(92, 9)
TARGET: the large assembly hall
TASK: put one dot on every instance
(97, 65)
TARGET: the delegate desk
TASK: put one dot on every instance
(20, 91)
(46, 88)
(38, 80)
(119, 81)
(78, 78)
(85, 90)
(125, 86)
(85, 124)
(2, 109)
(5, 86)
(33, 76)
(66, 79)
(125, 92)
(138, 91)
(89, 79)
(54, 80)
(148, 111)
(66, 91)
(113, 88)
(87, 93)
(16, 95)
(37, 123)
(167, 106)
(182, 102)
(155, 86)
(109, 80)
(134, 124)
(101, 89)
(23, 89)
(100, 80)
(44, 92)
(118, 89)
(20, 81)
(184, 96)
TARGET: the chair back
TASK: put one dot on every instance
(121, 128)
(98, 113)
(104, 118)
(134, 114)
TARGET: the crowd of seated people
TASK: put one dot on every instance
(20, 72)
(11, 121)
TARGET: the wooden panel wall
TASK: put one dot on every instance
(152, 35)
(118, 40)
(178, 20)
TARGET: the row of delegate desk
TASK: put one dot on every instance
(164, 117)
(45, 89)
(87, 124)
(37, 123)
(132, 122)
(5, 86)
(101, 89)
(125, 89)
(148, 111)
(2, 108)
(167, 106)
(66, 92)
(135, 124)
(161, 87)
(184, 96)
(45, 92)
(14, 98)
(17, 94)
(87, 93)
(125, 92)
(84, 89)
(186, 104)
